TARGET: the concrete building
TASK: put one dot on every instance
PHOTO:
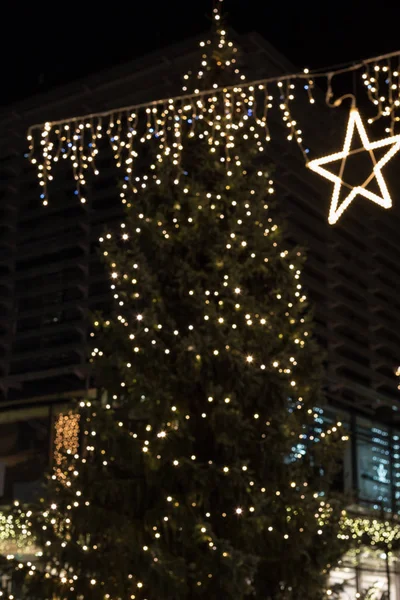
(51, 278)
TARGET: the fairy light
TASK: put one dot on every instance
(15, 532)
(220, 303)
(66, 441)
(376, 533)
(217, 113)
(337, 208)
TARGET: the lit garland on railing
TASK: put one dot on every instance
(372, 532)
(217, 113)
(15, 534)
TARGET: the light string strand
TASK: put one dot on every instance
(306, 74)
(219, 113)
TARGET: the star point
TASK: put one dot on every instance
(337, 208)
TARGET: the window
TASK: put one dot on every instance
(366, 573)
(373, 449)
(372, 463)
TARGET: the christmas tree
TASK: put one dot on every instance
(201, 471)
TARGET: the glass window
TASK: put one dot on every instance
(396, 469)
(373, 448)
(365, 574)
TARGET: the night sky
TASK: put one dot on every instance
(44, 47)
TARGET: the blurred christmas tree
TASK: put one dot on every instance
(200, 472)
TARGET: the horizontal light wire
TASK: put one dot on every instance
(301, 75)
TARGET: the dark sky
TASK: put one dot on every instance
(43, 47)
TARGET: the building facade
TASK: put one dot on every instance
(51, 278)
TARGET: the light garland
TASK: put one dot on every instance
(66, 441)
(375, 538)
(378, 532)
(384, 200)
(15, 532)
(218, 114)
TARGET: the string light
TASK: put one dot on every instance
(384, 200)
(218, 113)
(373, 532)
(66, 441)
(15, 535)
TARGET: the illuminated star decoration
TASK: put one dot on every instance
(384, 199)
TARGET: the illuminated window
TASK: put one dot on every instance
(374, 464)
